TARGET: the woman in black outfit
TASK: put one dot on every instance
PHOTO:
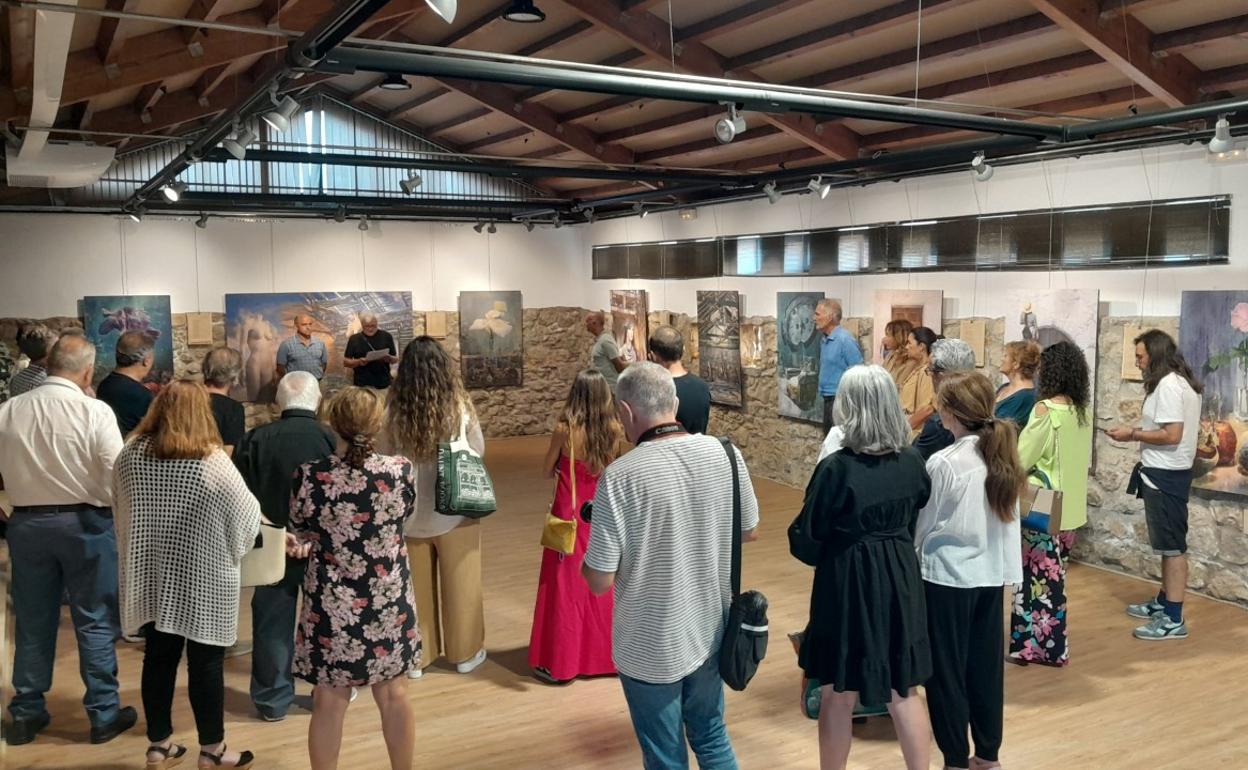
(867, 634)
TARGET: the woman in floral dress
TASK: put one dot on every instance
(358, 624)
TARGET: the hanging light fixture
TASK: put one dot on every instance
(524, 12)
(202, 222)
(136, 215)
(340, 214)
(727, 128)
(983, 171)
(528, 225)
(443, 8)
(282, 113)
(493, 228)
(363, 225)
(173, 191)
(479, 226)
(1221, 141)
(237, 144)
(773, 195)
(395, 82)
(411, 184)
(816, 185)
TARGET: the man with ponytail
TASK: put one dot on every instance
(969, 547)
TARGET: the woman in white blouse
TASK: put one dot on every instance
(184, 519)
(969, 547)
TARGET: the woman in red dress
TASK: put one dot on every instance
(572, 627)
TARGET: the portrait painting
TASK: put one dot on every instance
(629, 323)
(1213, 338)
(719, 345)
(491, 338)
(105, 319)
(919, 307)
(798, 343)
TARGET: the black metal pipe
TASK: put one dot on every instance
(490, 169)
(1154, 119)
(501, 207)
(349, 59)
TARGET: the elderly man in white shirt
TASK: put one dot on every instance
(57, 448)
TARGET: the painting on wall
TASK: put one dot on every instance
(1213, 337)
(104, 319)
(753, 351)
(719, 345)
(797, 355)
(919, 307)
(491, 338)
(256, 324)
(629, 315)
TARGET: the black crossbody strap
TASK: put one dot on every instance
(736, 518)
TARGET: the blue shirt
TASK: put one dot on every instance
(838, 352)
(297, 357)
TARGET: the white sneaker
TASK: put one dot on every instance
(355, 693)
(415, 673)
(470, 665)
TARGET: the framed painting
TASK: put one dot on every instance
(798, 344)
(491, 338)
(719, 345)
(104, 319)
(1213, 337)
(629, 323)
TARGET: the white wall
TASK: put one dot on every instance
(49, 262)
(1169, 172)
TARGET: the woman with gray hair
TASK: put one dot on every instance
(867, 634)
(221, 368)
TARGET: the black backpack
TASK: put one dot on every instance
(745, 635)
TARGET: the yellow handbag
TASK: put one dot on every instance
(559, 535)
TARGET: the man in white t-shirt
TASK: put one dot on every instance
(605, 355)
(1170, 422)
(662, 537)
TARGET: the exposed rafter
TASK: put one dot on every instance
(1128, 45)
(737, 18)
(202, 10)
(108, 45)
(1200, 34)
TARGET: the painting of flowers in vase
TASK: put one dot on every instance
(1213, 337)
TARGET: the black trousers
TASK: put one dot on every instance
(205, 685)
(965, 627)
(828, 422)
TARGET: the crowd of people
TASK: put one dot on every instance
(138, 511)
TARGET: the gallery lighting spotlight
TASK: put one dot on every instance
(1221, 141)
(558, 222)
(528, 225)
(816, 185)
(173, 191)
(590, 215)
(412, 183)
(237, 145)
(363, 225)
(727, 128)
(524, 12)
(493, 228)
(340, 215)
(136, 215)
(479, 226)
(395, 82)
(202, 222)
(443, 8)
(773, 195)
(283, 112)
(983, 171)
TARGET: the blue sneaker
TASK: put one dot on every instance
(1160, 628)
(1145, 610)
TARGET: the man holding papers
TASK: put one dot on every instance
(370, 352)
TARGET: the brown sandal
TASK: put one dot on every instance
(244, 759)
(172, 756)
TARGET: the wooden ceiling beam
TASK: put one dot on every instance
(210, 80)
(777, 160)
(499, 138)
(1236, 26)
(652, 36)
(737, 18)
(108, 46)
(564, 35)
(21, 46)
(1112, 9)
(201, 10)
(1222, 78)
(1128, 45)
(890, 16)
(458, 120)
(419, 101)
(661, 124)
(148, 97)
(273, 10)
(701, 145)
(175, 109)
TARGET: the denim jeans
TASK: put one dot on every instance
(273, 616)
(54, 554)
(663, 714)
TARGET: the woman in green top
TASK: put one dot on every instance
(1058, 442)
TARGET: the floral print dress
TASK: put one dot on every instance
(358, 623)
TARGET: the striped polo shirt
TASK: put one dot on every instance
(297, 357)
(662, 523)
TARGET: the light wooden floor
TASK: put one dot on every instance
(1121, 704)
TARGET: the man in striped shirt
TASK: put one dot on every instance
(662, 537)
(36, 343)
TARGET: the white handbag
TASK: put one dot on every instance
(265, 564)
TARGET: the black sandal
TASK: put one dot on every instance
(244, 759)
(172, 756)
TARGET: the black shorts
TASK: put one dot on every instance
(1167, 522)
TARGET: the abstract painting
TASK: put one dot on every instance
(491, 338)
(919, 307)
(104, 319)
(797, 355)
(256, 324)
(1213, 337)
(719, 345)
(629, 312)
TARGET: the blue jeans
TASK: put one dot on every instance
(54, 554)
(663, 714)
(273, 615)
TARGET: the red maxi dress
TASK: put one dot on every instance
(571, 627)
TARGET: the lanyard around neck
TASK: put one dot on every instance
(659, 431)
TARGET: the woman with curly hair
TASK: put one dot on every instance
(1016, 397)
(572, 627)
(428, 405)
(1057, 442)
(899, 364)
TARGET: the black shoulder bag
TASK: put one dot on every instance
(745, 635)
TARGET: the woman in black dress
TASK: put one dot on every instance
(358, 624)
(867, 634)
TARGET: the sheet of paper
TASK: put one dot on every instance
(376, 355)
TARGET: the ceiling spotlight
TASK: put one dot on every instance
(202, 222)
(173, 191)
(528, 225)
(443, 8)
(279, 118)
(411, 184)
(983, 171)
(559, 222)
(590, 215)
(493, 228)
(395, 82)
(1221, 141)
(817, 185)
(136, 215)
(363, 225)
(479, 226)
(524, 12)
(773, 195)
(237, 144)
(727, 128)
(340, 215)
